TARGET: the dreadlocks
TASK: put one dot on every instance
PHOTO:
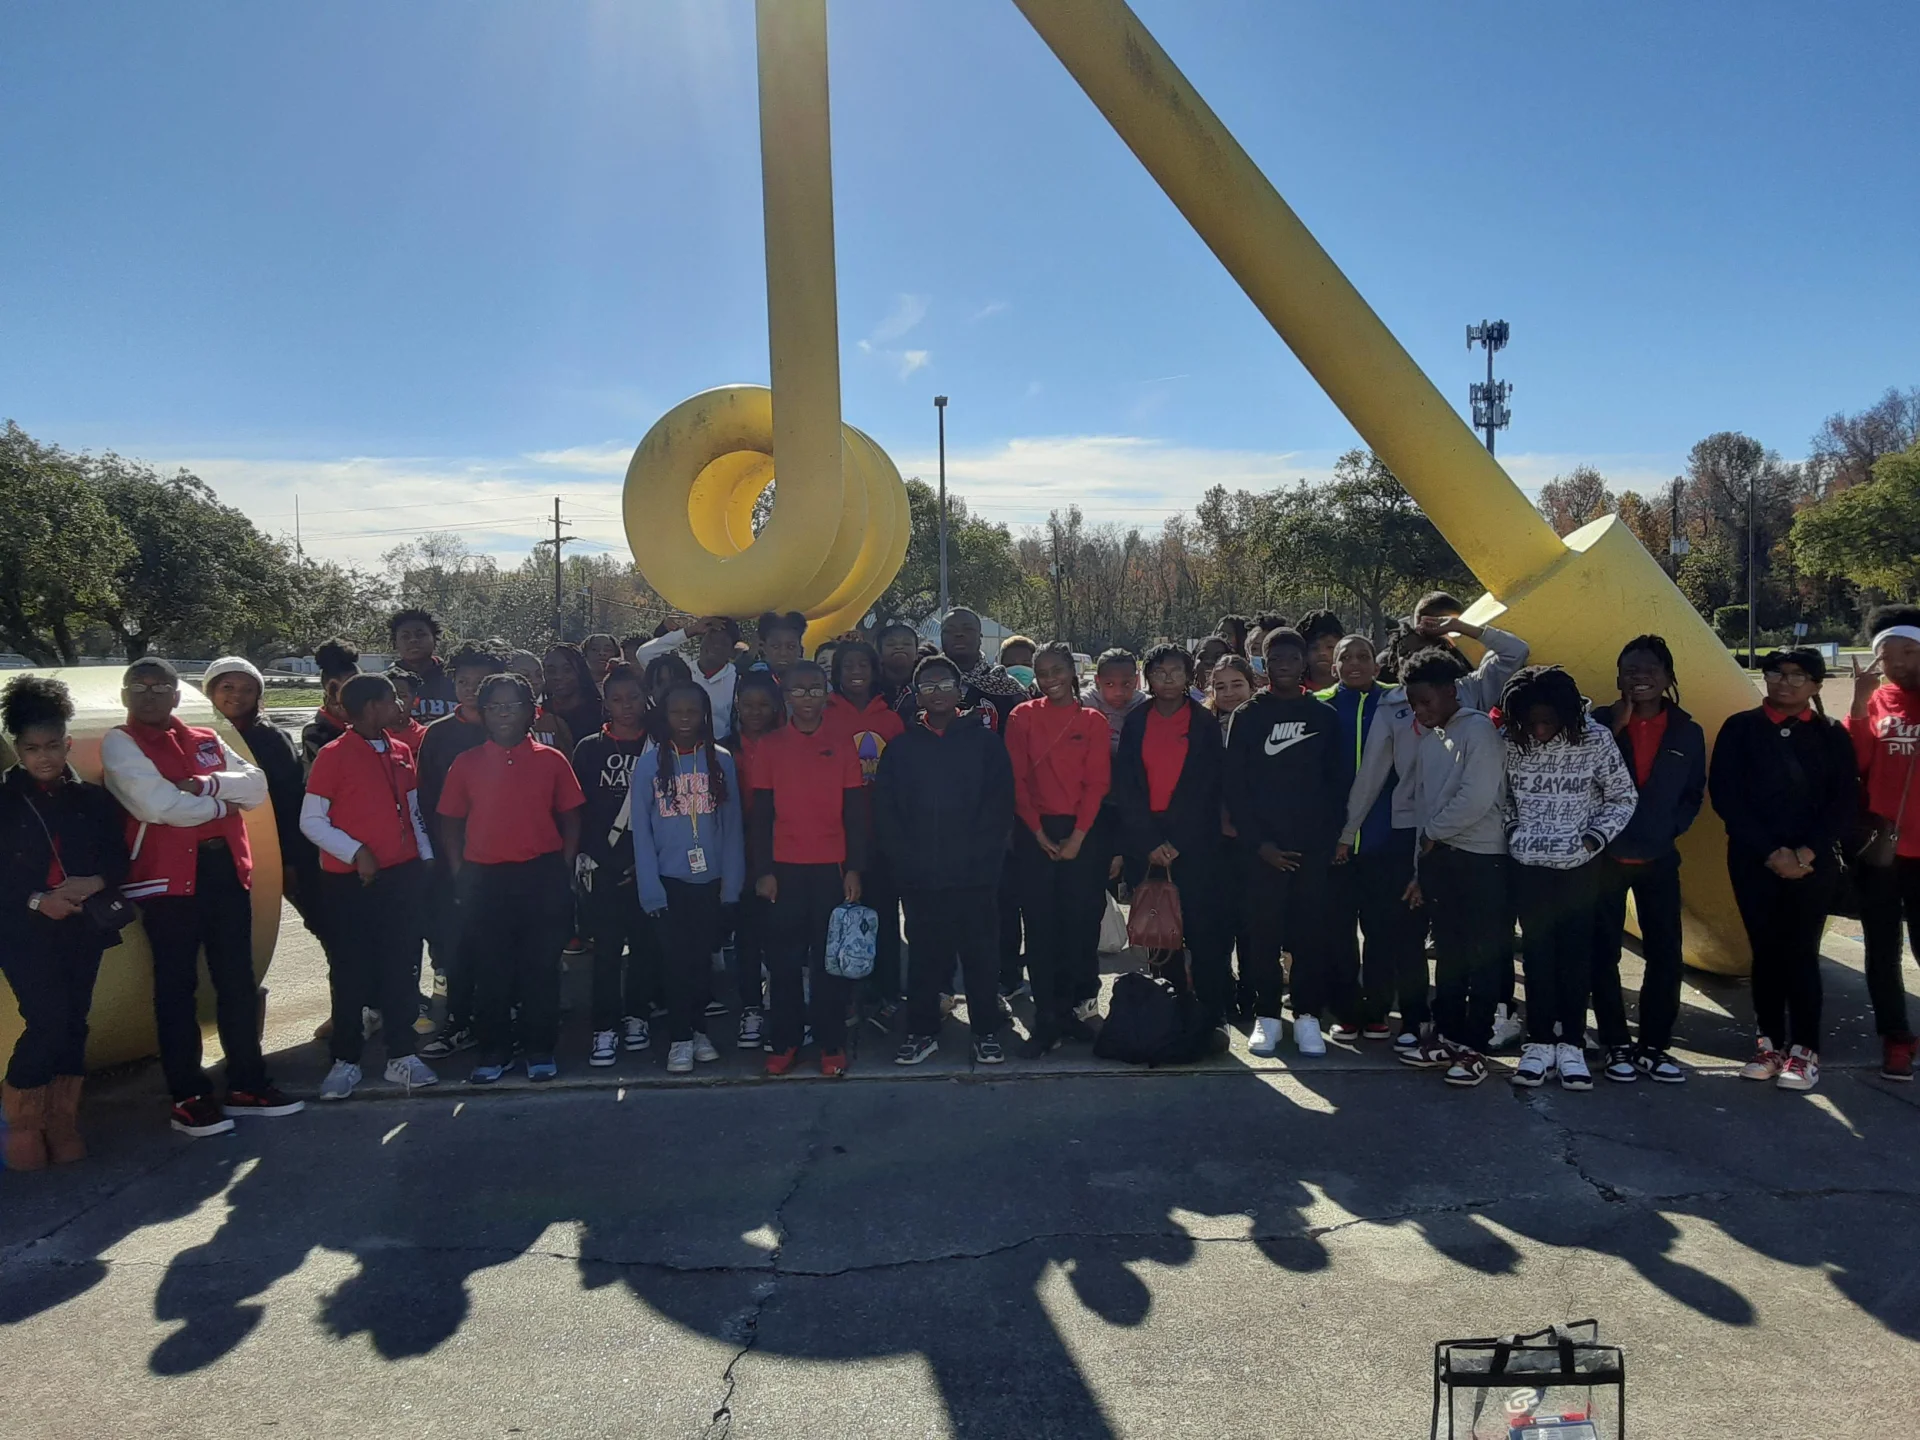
(668, 764)
(1655, 646)
(1547, 685)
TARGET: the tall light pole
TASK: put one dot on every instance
(1753, 476)
(1490, 412)
(940, 409)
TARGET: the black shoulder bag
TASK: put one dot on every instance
(106, 910)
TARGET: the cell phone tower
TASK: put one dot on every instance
(1490, 411)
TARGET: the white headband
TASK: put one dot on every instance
(1895, 632)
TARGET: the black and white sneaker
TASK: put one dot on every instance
(717, 1007)
(1571, 1062)
(605, 1049)
(1536, 1063)
(1620, 1066)
(638, 1035)
(883, 1016)
(988, 1051)
(750, 1030)
(1659, 1065)
(449, 1042)
(266, 1101)
(917, 1049)
(199, 1117)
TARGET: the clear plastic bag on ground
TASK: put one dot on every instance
(1560, 1383)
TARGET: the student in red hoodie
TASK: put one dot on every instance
(510, 826)
(810, 847)
(1061, 772)
(184, 789)
(362, 810)
(1884, 724)
(870, 724)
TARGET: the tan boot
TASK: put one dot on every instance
(26, 1115)
(64, 1145)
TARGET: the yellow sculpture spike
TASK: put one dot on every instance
(1576, 601)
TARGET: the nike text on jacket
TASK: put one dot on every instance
(1283, 782)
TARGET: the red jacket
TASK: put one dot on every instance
(370, 799)
(1062, 764)
(1885, 746)
(166, 825)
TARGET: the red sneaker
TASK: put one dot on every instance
(781, 1061)
(833, 1063)
(1896, 1057)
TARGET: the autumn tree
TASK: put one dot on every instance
(1575, 499)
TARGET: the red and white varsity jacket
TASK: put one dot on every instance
(142, 766)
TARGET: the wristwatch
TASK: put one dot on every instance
(33, 900)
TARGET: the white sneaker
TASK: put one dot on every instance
(340, 1080)
(604, 1051)
(1536, 1063)
(412, 1072)
(637, 1036)
(680, 1058)
(1086, 1010)
(1802, 1070)
(1265, 1039)
(703, 1050)
(1571, 1061)
(1507, 1028)
(1306, 1034)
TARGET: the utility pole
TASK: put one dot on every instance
(1059, 612)
(1676, 537)
(940, 408)
(1490, 412)
(298, 553)
(560, 542)
(1751, 479)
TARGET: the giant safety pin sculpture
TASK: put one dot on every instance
(839, 532)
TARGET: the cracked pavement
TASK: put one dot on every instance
(1032, 1254)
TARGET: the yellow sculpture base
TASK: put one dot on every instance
(122, 1016)
(1572, 615)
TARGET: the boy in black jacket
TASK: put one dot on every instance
(1286, 792)
(1666, 753)
(943, 805)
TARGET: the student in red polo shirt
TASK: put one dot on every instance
(1062, 767)
(810, 819)
(871, 724)
(510, 828)
(362, 810)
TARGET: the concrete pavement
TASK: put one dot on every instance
(1075, 1251)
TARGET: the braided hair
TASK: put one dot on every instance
(668, 764)
(1655, 646)
(1548, 685)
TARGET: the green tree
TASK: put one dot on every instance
(60, 549)
(1361, 537)
(200, 575)
(1869, 534)
(982, 568)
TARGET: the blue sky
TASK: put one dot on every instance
(434, 263)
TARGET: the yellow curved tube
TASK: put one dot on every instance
(122, 1017)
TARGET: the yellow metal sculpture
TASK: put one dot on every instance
(838, 534)
(122, 1017)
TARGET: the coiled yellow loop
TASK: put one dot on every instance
(688, 503)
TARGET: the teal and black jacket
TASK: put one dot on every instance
(1356, 709)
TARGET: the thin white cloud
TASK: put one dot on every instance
(1647, 474)
(608, 459)
(988, 311)
(907, 312)
(912, 360)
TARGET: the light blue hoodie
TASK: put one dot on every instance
(666, 830)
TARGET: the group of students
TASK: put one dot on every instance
(1319, 804)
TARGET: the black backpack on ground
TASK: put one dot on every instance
(1149, 1022)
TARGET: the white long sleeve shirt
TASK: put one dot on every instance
(719, 685)
(152, 799)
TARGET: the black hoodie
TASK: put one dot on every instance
(605, 768)
(943, 805)
(1285, 782)
(1670, 800)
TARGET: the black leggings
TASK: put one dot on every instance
(1556, 948)
(797, 920)
(1886, 894)
(52, 968)
(1656, 901)
(373, 955)
(1785, 920)
(1061, 901)
(690, 933)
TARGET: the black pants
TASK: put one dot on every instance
(51, 968)
(1287, 910)
(626, 951)
(689, 934)
(879, 893)
(966, 922)
(1785, 920)
(1012, 965)
(1062, 902)
(218, 916)
(750, 951)
(1393, 966)
(1208, 903)
(796, 940)
(519, 917)
(373, 955)
(1556, 947)
(1886, 895)
(1466, 899)
(453, 940)
(1655, 887)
